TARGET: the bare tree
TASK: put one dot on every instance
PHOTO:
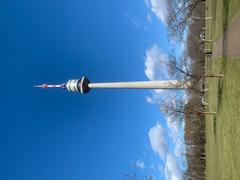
(180, 16)
(181, 68)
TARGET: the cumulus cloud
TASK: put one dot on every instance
(140, 164)
(159, 8)
(174, 133)
(156, 97)
(169, 152)
(155, 68)
(172, 170)
(179, 147)
(157, 140)
(172, 127)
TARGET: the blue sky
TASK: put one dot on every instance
(53, 134)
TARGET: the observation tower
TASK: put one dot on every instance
(84, 85)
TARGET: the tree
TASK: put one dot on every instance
(180, 16)
(183, 69)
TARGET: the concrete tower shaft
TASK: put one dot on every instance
(171, 84)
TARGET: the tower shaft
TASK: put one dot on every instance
(166, 84)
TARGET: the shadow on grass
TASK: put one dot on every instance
(224, 49)
(214, 126)
(214, 7)
(220, 92)
(225, 28)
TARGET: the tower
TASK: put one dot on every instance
(84, 85)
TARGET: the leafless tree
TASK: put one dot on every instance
(181, 68)
(180, 15)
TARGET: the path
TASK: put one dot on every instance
(229, 43)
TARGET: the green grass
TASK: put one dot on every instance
(223, 130)
(223, 13)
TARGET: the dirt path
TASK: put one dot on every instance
(229, 43)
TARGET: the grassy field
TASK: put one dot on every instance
(223, 129)
(223, 13)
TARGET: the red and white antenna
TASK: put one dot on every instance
(73, 85)
(45, 86)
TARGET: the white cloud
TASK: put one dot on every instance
(147, 3)
(183, 45)
(150, 100)
(172, 127)
(157, 140)
(154, 63)
(149, 18)
(159, 8)
(172, 170)
(161, 169)
(156, 97)
(140, 164)
(135, 22)
(156, 69)
(179, 147)
(175, 136)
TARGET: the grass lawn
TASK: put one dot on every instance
(223, 129)
(223, 13)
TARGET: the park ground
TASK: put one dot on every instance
(223, 129)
